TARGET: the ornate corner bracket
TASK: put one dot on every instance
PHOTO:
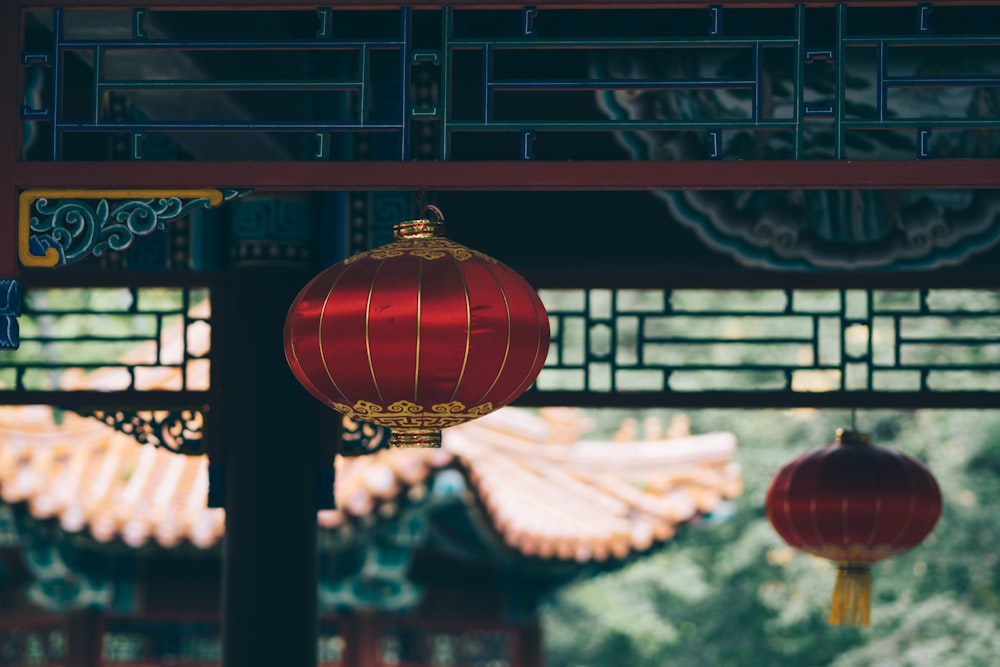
(178, 431)
(10, 309)
(358, 438)
(62, 226)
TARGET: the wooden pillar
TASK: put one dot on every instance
(361, 631)
(270, 441)
(10, 130)
(84, 638)
(532, 651)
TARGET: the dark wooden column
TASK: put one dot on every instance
(84, 637)
(360, 630)
(532, 651)
(10, 129)
(270, 440)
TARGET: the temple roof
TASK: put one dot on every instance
(545, 491)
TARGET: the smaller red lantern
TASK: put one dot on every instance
(853, 503)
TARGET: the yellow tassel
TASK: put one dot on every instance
(852, 596)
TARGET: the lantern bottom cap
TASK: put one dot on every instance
(415, 437)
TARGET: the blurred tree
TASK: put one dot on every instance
(731, 593)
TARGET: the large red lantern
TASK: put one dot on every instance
(417, 335)
(855, 504)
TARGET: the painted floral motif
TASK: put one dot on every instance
(828, 229)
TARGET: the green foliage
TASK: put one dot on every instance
(733, 594)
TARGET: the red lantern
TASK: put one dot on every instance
(853, 503)
(417, 335)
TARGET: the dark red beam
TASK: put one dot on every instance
(902, 400)
(519, 175)
(108, 400)
(754, 279)
(742, 279)
(69, 277)
(484, 4)
(754, 400)
(10, 122)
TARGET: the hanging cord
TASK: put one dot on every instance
(424, 208)
(431, 209)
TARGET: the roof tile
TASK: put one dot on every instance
(546, 492)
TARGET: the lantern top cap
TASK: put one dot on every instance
(430, 226)
(847, 437)
(418, 229)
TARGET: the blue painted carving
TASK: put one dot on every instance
(528, 16)
(10, 310)
(528, 145)
(64, 576)
(10, 297)
(10, 333)
(715, 13)
(34, 108)
(57, 586)
(207, 240)
(39, 243)
(8, 528)
(333, 233)
(860, 229)
(374, 574)
(149, 253)
(272, 230)
(79, 228)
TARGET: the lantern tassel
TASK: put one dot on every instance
(852, 596)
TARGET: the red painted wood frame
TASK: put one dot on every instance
(85, 629)
(481, 4)
(418, 175)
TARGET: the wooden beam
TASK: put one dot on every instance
(159, 399)
(895, 400)
(532, 653)
(57, 277)
(738, 279)
(84, 634)
(757, 279)
(360, 630)
(519, 175)
(10, 123)
(472, 4)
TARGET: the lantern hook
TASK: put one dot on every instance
(432, 209)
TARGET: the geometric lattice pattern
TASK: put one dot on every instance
(410, 644)
(799, 341)
(789, 82)
(32, 643)
(111, 339)
(135, 641)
